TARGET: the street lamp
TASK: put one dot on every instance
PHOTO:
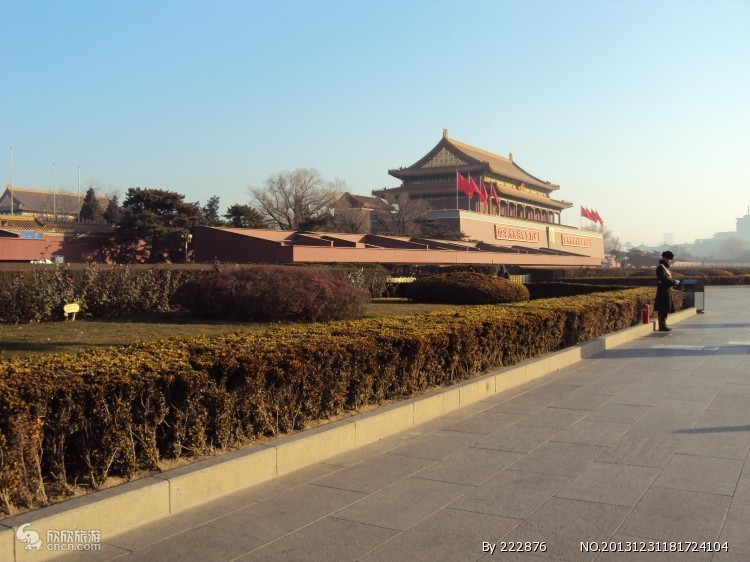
(188, 238)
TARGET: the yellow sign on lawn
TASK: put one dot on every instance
(71, 308)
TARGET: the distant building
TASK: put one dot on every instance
(519, 213)
(724, 245)
(743, 227)
(520, 194)
(358, 213)
(50, 204)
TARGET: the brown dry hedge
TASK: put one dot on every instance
(80, 418)
(272, 294)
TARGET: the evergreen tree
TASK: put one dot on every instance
(211, 212)
(113, 212)
(244, 216)
(155, 225)
(90, 209)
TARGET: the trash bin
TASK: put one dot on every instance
(695, 294)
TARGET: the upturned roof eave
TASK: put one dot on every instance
(406, 173)
(473, 164)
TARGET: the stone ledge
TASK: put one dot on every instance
(374, 426)
(435, 404)
(7, 542)
(475, 390)
(112, 511)
(190, 485)
(314, 445)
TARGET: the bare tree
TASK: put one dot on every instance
(611, 242)
(292, 200)
(405, 216)
(96, 184)
(63, 207)
(354, 221)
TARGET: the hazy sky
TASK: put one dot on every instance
(639, 110)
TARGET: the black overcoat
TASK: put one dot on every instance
(664, 301)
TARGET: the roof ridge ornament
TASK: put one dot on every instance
(445, 133)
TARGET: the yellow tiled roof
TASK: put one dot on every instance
(34, 224)
(501, 165)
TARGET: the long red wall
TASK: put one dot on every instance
(73, 250)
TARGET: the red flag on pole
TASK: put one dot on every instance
(597, 218)
(482, 191)
(474, 187)
(585, 213)
(464, 185)
(494, 193)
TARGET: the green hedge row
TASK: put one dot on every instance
(82, 418)
(37, 294)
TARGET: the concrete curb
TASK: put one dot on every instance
(122, 508)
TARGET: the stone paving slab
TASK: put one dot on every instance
(644, 442)
(405, 503)
(563, 523)
(615, 484)
(450, 534)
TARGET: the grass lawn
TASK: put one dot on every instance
(70, 337)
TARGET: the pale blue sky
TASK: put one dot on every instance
(637, 109)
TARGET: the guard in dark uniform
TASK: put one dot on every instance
(664, 303)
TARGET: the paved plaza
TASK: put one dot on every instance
(646, 442)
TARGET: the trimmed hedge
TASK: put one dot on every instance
(465, 288)
(37, 293)
(68, 419)
(272, 294)
(372, 278)
(650, 281)
(555, 290)
(419, 271)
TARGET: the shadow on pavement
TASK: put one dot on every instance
(726, 429)
(674, 352)
(714, 326)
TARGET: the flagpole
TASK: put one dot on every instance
(456, 190)
(79, 194)
(481, 203)
(11, 180)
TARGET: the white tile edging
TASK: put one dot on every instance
(125, 507)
